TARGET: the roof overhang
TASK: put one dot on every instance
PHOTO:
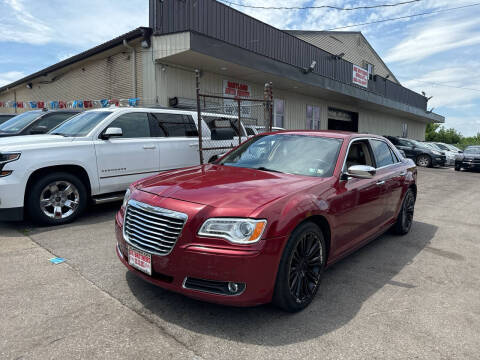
(208, 54)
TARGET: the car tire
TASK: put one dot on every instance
(405, 217)
(424, 160)
(57, 198)
(458, 167)
(301, 268)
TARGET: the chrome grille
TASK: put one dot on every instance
(152, 229)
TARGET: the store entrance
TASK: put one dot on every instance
(342, 120)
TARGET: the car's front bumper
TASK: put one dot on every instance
(12, 193)
(439, 160)
(466, 164)
(194, 257)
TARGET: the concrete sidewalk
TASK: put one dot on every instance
(52, 312)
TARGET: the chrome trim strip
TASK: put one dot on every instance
(212, 292)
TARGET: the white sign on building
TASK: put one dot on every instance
(360, 76)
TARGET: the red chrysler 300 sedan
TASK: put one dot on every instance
(263, 222)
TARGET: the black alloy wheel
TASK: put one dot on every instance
(405, 218)
(301, 268)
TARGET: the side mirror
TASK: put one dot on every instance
(38, 130)
(361, 171)
(112, 132)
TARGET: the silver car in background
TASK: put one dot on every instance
(449, 154)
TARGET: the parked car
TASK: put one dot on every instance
(419, 152)
(35, 122)
(263, 222)
(5, 117)
(95, 155)
(469, 160)
(448, 147)
(253, 130)
(449, 155)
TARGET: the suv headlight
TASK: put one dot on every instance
(128, 193)
(436, 152)
(6, 158)
(238, 231)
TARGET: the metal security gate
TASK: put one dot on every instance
(230, 120)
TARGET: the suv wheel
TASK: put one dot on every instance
(424, 160)
(57, 198)
(300, 269)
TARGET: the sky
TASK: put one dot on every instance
(437, 53)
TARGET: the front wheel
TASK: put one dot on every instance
(424, 161)
(458, 167)
(57, 198)
(300, 269)
(405, 217)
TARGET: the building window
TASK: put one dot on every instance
(405, 130)
(313, 117)
(369, 68)
(278, 112)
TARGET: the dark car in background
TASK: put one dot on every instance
(5, 117)
(419, 152)
(35, 122)
(469, 160)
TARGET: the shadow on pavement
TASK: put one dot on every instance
(345, 287)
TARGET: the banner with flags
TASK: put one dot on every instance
(72, 104)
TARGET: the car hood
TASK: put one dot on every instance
(472, 156)
(27, 141)
(226, 186)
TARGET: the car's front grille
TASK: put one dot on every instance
(152, 229)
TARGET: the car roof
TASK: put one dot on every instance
(160, 110)
(326, 133)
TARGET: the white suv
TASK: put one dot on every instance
(96, 155)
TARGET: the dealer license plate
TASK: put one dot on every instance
(140, 260)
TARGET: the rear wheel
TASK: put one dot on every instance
(458, 167)
(405, 217)
(57, 198)
(300, 269)
(424, 160)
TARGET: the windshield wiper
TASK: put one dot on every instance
(263, 168)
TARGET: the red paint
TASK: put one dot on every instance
(356, 211)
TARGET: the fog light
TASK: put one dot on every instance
(232, 287)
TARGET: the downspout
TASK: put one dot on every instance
(134, 66)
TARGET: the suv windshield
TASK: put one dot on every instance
(472, 150)
(17, 123)
(81, 124)
(285, 153)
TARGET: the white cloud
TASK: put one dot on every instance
(435, 37)
(10, 76)
(70, 22)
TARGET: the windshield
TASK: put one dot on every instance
(285, 153)
(433, 146)
(420, 144)
(80, 125)
(472, 150)
(17, 123)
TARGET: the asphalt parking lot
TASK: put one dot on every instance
(416, 296)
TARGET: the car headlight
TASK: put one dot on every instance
(128, 193)
(5, 158)
(436, 152)
(238, 231)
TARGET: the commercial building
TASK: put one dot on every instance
(321, 80)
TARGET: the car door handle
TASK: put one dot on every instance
(380, 182)
(149, 147)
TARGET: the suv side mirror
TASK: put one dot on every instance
(112, 132)
(361, 171)
(38, 130)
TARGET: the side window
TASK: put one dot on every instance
(278, 112)
(358, 154)
(383, 154)
(174, 125)
(133, 125)
(49, 121)
(249, 131)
